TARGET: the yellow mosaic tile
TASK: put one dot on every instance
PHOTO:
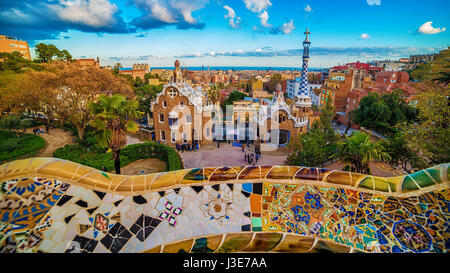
(235, 242)
(164, 180)
(126, 185)
(264, 241)
(339, 177)
(138, 183)
(295, 243)
(51, 168)
(183, 246)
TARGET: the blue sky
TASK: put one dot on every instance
(231, 33)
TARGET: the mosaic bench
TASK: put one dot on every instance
(54, 205)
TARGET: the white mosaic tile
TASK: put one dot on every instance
(46, 245)
(155, 239)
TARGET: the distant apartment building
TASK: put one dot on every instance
(392, 77)
(133, 73)
(353, 99)
(338, 85)
(88, 62)
(390, 65)
(145, 67)
(12, 44)
(139, 70)
(361, 70)
(320, 97)
(424, 58)
(293, 87)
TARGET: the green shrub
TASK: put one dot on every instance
(24, 145)
(97, 157)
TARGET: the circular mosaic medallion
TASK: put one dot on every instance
(412, 236)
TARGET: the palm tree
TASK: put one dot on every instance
(357, 151)
(114, 116)
(213, 94)
(444, 77)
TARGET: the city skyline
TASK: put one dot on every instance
(230, 33)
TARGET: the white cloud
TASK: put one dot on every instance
(231, 13)
(287, 27)
(233, 22)
(162, 13)
(427, 28)
(374, 2)
(158, 13)
(93, 13)
(264, 16)
(365, 36)
(257, 5)
(308, 8)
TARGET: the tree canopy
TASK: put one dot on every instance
(234, 96)
(316, 146)
(382, 113)
(16, 63)
(272, 83)
(431, 70)
(357, 151)
(145, 95)
(114, 116)
(46, 53)
(429, 135)
(62, 90)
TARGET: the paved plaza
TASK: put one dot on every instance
(226, 155)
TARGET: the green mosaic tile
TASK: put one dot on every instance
(435, 173)
(409, 185)
(367, 183)
(422, 179)
(256, 222)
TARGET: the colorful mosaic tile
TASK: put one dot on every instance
(253, 208)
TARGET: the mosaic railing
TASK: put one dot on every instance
(54, 205)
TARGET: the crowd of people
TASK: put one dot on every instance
(37, 131)
(251, 157)
(185, 147)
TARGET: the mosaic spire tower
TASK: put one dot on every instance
(304, 88)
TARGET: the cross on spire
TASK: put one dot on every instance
(307, 32)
